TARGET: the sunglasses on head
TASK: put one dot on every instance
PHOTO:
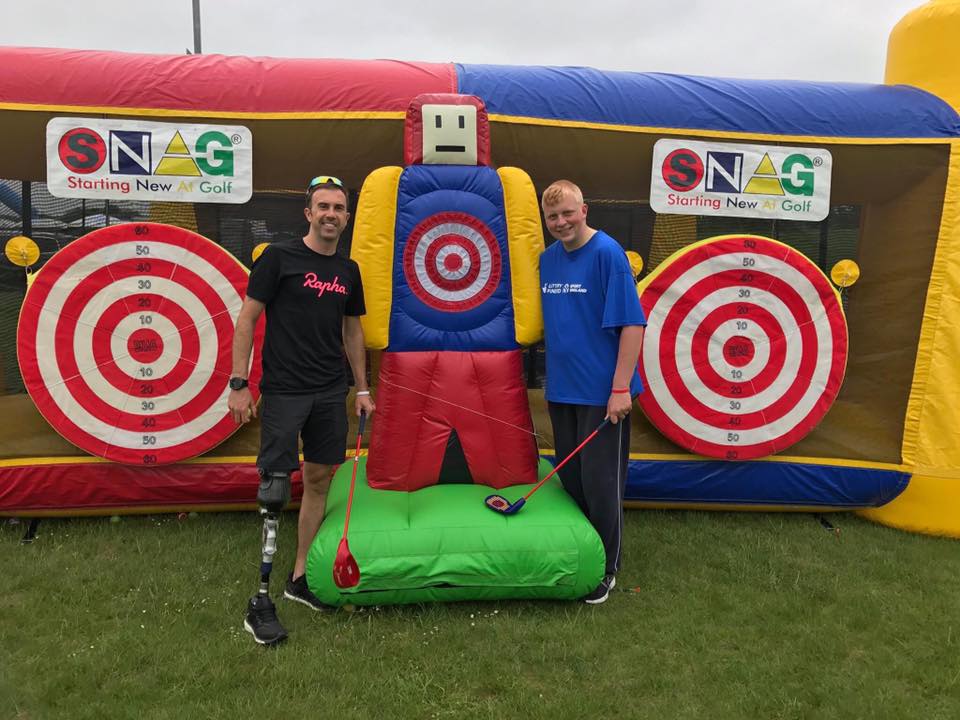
(325, 180)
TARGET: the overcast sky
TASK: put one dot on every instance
(837, 40)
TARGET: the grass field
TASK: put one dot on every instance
(715, 616)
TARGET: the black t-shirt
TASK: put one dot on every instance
(306, 294)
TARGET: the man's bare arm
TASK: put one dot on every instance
(356, 350)
(240, 402)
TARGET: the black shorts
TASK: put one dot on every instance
(321, 424)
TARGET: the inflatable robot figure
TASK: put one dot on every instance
(448, 250)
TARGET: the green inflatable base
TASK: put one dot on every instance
(443, 543)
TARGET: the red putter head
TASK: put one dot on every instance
(346, 572)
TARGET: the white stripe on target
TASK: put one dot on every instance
(723, 366)
(452, 261)
(459, 269)
(124, 342)
(745, 348)
(169, 334)
(119, 345)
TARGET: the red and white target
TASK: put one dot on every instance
(124, 342)
(452, 261)
(745, 348)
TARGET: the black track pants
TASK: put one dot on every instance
(595, 478)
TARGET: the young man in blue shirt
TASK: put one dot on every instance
(593, 329)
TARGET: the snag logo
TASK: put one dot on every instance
(683, 170)
(126, 159)
(83, 150)
(763, 181)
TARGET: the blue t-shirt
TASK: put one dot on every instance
(588, 295)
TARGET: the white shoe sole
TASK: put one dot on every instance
(601, 600)
(290, 596)
(249, 628)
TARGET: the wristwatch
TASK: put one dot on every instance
(238, 383)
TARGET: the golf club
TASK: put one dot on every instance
(346, 572)
(501, 505)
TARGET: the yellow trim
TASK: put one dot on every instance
(726, 134)
(495, 117)
(131, 510)
(90, 460)
(938, 338)
(927, 505)
(31, 461)
(373, 247)
(782, 459)
(665, 457)
(222, 114)
(525, 243)
(732, 507)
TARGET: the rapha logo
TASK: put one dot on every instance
(321, 286)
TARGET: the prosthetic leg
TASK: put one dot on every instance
(261, 621)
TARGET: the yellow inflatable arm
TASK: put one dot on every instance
(525, 241)
(372, 248)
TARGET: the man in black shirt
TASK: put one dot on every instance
(313, 298)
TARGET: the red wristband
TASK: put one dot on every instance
(620, 391)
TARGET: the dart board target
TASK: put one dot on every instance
(745, 348)
(124, 342)
(452, 261)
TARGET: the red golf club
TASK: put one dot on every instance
(501, 505)
(346, 572)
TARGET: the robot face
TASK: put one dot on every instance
(449, 135)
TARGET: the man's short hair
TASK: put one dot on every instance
(554, 193)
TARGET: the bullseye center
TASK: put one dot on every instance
(453, 262)
(738, 350)
(145, 345)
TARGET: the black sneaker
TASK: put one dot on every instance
(298, 591)
(261, 621)
(602, 591)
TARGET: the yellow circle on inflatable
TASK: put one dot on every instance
(845, 273)
(636, 262)
(22, 251)
(258, 251)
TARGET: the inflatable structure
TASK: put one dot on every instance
(448, 251)
(441, 543)
(888, 445)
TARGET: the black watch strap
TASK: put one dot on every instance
(238, 383)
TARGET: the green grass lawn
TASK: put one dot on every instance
(716, 615)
